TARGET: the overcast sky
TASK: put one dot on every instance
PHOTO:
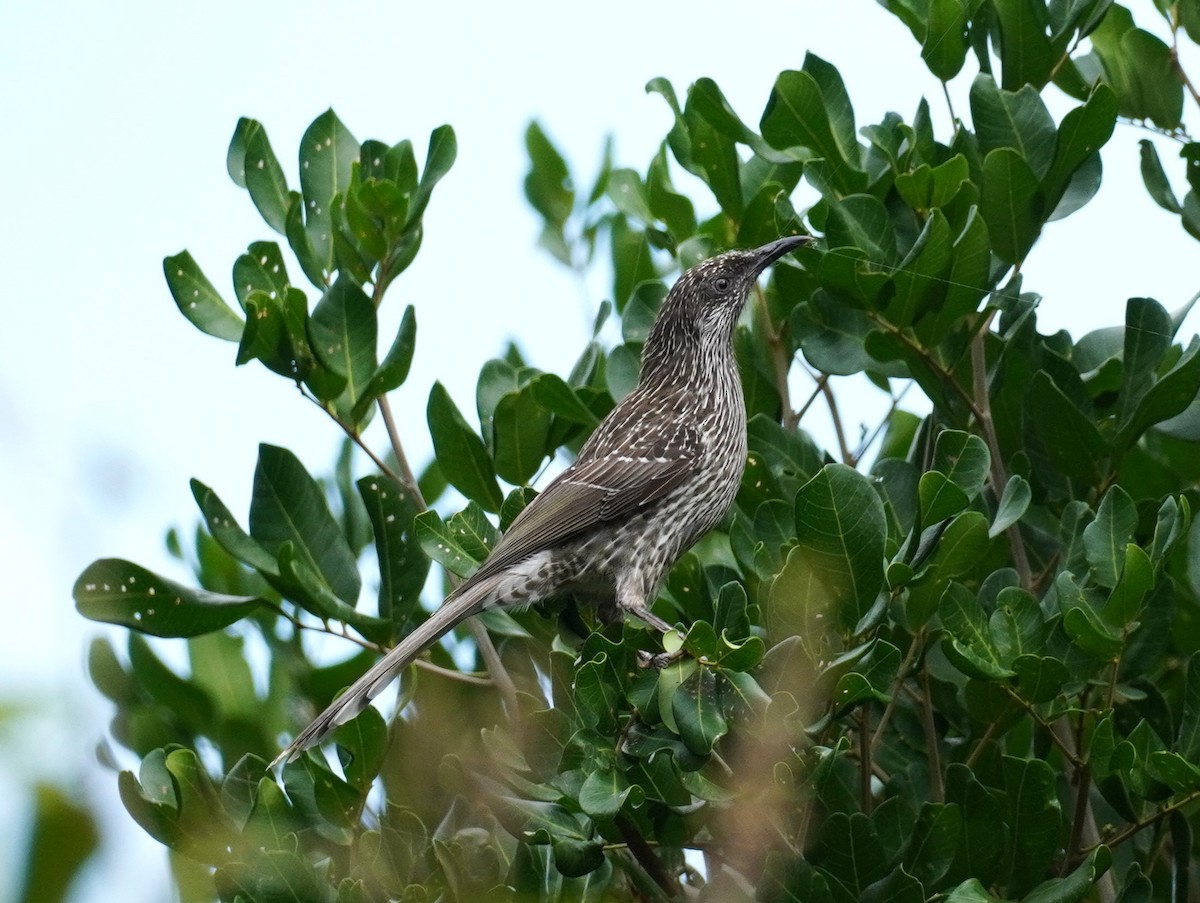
(117, 117)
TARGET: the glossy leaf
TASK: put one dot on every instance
(460, 452)
(120, 592)
(1012, 204)
(838, 562)
(288, 506)
(197, 299)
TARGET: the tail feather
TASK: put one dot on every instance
(464, 602)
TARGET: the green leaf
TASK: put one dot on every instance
(393, 370)
(1083, 132)
(402, 566)
(444, 545)
(964, 459)
(1075, 886)
(796, 116)
(261, 268)
(460, 452)
(1071, 440)
(1155, 178)
(439, 157)
(1026, 54)
(1148, 334)
(1174, 770)
(945, 46)
(1034, 818)
(226, 531)
(548, 185)
(1139, 67)
(119, 592)
(928, 188)
(263, 176)
(1106, 537)
(521, 430)
(343, 332)
(1012, 204)
(1014, 502)
(983, 836)
(838, 562)
(1137, 579)
(327, 155)
(197, 299)
(1039, 678)
(921, 278)
(697, 712)
(971, 891)
(968, 643)
(62, 838)
(932, 844)
(362, 744)
(1172, 394)
(288, 507)
(604, 793)
(940, 498)
(831, 334)
(560, 399)
(235, 157)
(861, 221)
(1188, 743)
(848, 848)
(1014, 119)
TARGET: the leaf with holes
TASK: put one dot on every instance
(197, 299)
(402, 566)
(327, 155)
(119, 592)
(343, 332)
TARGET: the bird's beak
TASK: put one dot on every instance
(769, 253)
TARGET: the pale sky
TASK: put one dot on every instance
(117, 118)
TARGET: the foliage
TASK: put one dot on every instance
(958, 661)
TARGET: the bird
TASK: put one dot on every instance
(659, 472)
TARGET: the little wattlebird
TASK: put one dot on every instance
(658, 473)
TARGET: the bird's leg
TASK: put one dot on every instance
(631, 598)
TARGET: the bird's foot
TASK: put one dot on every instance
(658, 660)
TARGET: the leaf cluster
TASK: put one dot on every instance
(958, 660)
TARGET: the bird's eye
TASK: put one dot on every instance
(722, 284)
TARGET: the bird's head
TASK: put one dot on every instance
(705, 302)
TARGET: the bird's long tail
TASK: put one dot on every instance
(469, 599)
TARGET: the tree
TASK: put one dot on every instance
(956, 660)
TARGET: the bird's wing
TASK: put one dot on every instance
(606, 486)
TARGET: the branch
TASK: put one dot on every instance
(352, 434)
(646, 857)
(1129, 830)
(405, 477)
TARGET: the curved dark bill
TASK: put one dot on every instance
(772, 251)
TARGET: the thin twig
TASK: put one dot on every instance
(864, 759)
(918, 641)
(936, 790)
(816, 393)
(406, 477)
(843, 445)
(465, 677)
(353, 435)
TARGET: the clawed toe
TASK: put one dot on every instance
(658, 660)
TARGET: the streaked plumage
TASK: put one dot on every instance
(659, 472)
